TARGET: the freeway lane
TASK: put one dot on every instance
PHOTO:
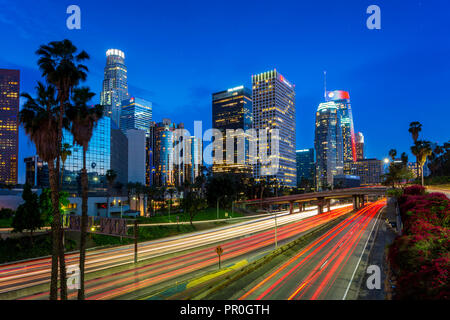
(322, 270)
(25, 274)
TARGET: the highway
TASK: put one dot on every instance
(324, 269)
(19, 275)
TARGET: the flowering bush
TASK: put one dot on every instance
(414, 190)
(422, 254)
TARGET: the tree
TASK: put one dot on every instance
(111, 176)
(39, 117)
(421, 149)
(404, 158)
(62, 67)
(83, 119)
(396, 174)
(28, 216)
(392, 154)
(192, 204)
(414, 128)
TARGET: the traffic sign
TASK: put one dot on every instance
(219, 250)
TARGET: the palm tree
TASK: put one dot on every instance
(83, 120)
(65, 152)
(421, 149)
(404, 158)
(111, 176)
(61, 66)
(392, 154)
(414, 128)
(39, 118)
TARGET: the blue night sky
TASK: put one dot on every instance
(179, 52)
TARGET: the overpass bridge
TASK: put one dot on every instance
(322, 199)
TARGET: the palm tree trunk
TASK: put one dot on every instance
(421, 172)
(62, 262)
(84, 185)
(54, 231)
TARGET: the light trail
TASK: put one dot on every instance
(125, 282)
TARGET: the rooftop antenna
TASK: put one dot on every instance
(325, 84)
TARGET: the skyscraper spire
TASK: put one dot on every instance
(325, 84)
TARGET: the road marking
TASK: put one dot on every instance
(359, 260)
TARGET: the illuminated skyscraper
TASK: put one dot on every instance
(136, 114)
(273, 102)
(359, 145)
(305, 167)
(232, 110)
(115, 84)
(9, 124)
(342, 101)
(328, 144)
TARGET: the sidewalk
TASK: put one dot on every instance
(385, 236)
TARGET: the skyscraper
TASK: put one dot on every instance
(9, 125)
(328, 144)
(136, 113)
(232, 110)
(305, 167)
(137, 155)
(273, 102)
(342, 101)
(107, 150)
(115, 84)
(359, 145)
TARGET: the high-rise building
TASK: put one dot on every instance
(305, 167)
(115, 84)
(136, 114)
(107, 150)
(137, 155)
(369, 170)
(9, 125)
(36, 172)
(273, 102)
(359, 145)
(328, 144)
(342, 101)
(232, 110)
(164, 142)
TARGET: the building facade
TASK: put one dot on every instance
(166, 143)
(103, 154)
(328, 145)
(370, 171)
(9, 125)
(232, 110)
(342, 101)
(305, 167)
(359, 145)
(115, 84)
(136, 113)
(137, 166)
(36, 172)
(273, 104)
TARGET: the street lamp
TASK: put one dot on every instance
(386, 160)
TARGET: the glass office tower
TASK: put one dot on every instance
(305, 167)
(115, 84)
(103, 154)
(136, 113)
(328, 145)
(9, 125)
(342, 101)
(232, 110)
(273, 102)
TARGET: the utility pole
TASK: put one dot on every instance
(217, 208)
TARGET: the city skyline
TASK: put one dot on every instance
(373, 66)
